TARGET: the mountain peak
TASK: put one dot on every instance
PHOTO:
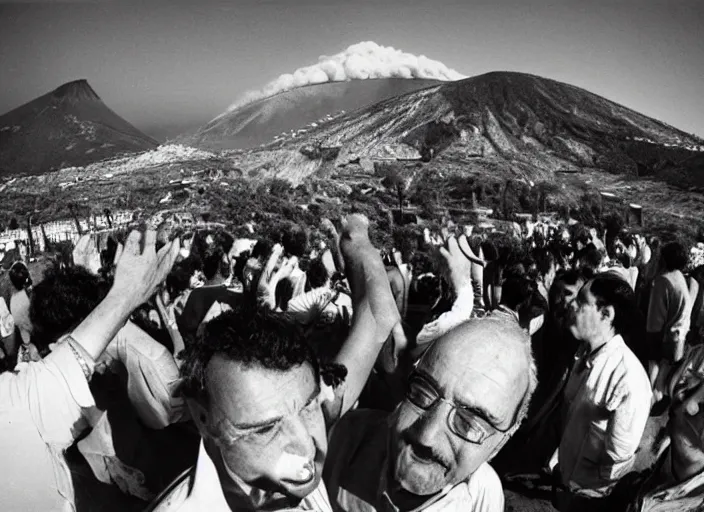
(76, 91)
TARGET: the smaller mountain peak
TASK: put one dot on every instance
(78, 90)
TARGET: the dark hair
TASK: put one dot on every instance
(295, 241)
(544, 261)
(490, 251)
(213, 262)
(64, 298)
(224, 240)
(178, 280)
(317, 273)
(611, 290)
(19, 276)
(262, 249)
(580, 233)
(590, 257)
(516, 292)
(674, 256)
(252, 337)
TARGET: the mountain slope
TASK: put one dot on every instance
(70, 126)
(261, 121)
(523, 124)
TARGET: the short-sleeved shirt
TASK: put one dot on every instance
(41, 406)
(357, 464)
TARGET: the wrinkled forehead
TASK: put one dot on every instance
(251, 393)
(480, 367)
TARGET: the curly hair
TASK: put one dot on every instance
(64, 298)
(251, 337)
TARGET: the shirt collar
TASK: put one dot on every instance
(586, 359)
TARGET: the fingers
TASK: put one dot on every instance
(118, 253)
(150, 239)
(132, 243)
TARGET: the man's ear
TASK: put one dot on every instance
(608, 313)
(199, 414)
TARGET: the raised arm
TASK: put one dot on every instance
(137, 275)
(375, 313)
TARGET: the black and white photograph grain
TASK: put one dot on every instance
(351, 256)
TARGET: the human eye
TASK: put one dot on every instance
(264, 432)
(420, 394)
(468, 426)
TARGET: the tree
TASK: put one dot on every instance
(396, 182)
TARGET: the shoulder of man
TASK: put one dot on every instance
(485, 490)
(355, 426)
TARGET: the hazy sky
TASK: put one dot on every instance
(169, 67)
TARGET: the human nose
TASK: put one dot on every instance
(433, 423)
(299, 440)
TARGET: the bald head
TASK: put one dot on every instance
(492, 352)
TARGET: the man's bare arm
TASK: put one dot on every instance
(375, 312)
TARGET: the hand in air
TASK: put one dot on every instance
(139, 271)
(366, 273)
(86, 255)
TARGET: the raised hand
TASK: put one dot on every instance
(366, 273)
(86, 255)
(459, 267)
(139, 272)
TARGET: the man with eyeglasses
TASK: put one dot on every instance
(465, 398)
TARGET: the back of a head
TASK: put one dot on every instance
(251, 337)
(674, 256)
(544, 261)
(19, 276)
(295, 241)
(261, 249)
(317, 273)
(516, 291)
(63, 299)
(590, 258)
(213, 262)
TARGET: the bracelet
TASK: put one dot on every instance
(81, 361)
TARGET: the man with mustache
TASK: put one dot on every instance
(465, 398)
(263, 403)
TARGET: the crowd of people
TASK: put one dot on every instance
(310, 370)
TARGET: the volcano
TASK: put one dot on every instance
(515, 123)
(261, 121)
(70, 126)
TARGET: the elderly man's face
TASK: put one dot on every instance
(266, 426)
(482, 369)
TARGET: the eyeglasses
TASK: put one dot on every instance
(462, 421)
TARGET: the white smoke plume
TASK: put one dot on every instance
(360, 61)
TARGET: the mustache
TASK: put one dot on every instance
(425, 452)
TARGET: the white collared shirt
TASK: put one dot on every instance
(202, 491)
(607, 404)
